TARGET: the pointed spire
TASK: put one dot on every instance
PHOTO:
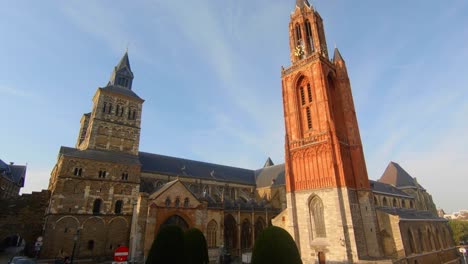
(337, 56)
(122, 74)
(268, 163)
(124, 62)
(302, 3)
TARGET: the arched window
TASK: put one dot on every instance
(411, 242)
(305, 101)
(384, 201)
(110, 109)
(177, 202)
(97, 206)
(117, 110)
(104, 107)
(395, 203)
(411, 204)
(298, 34)
(403, 203)
(437, 239)
(211, 233)
(186, 202)
(77, 171)
(259, 226)
(430, 240)
(317, 217)
(375, 201)
(421, 241)
(118, 207)
(246, 234)
(168, 202)
(310, 38)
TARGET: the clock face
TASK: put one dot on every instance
(299, 51)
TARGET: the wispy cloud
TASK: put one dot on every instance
(15, 91)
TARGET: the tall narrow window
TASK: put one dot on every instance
(211, 233)
(168, 202)
(298, 34)
(117, 110)
(309, 93)
(77, 172)
(97, 206)
(411, 242)
(121, 111)
(102, 174)
(118, 207)
(104, 107)
(302, 95)
(309, 118)
(90, 244)
(125, 176)
(317, 217)
(177, 202)
(310, 39)
(134, 115)
(186, 202)
(110, 109)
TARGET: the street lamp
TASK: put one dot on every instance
(75, 238)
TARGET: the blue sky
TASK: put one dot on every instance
(210, 74)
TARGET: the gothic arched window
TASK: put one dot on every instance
(395, 202)
(317, 218)
(177, 202)
(384, 201)
(97, 206)
(310, 39)
(211, 229)
(118, 207)
(421, 241)
(168, 202)
(298, 34)
(411, 242)
(186, 202)
(305, 100)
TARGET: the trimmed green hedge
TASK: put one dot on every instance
(275, 246)
(196, 248)
(167, 246)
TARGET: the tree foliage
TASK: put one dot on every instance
(167, 246)
(459, 230)
(275, 246)
(195, 247)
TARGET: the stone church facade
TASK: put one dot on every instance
(106, 193)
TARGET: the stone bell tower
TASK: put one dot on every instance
(114, 123)
(330, 213)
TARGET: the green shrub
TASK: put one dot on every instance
(167, 246)
(275, 246)
(195, 247)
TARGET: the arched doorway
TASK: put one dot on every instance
(230, 232)
(259, 226)
(246, 234)
(176, 220)
(321, 258)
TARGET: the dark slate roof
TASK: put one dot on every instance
(268, 163)
(268, 176)
(302, 3)
(101, 155)
(380, 187)
(395, 175)
(18, 174)
(124, 62)
(337, 56)
(164, 188)
(121, 90)
(155, 163)
(411, 214)
(15, 173)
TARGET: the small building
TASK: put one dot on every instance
(11, 179)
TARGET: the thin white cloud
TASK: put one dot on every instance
(8, 90)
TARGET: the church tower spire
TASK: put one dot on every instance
(122, 74)
(115, 121)
(306, 33)
(325, 166)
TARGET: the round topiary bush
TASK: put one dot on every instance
(275, 246)
(195, 247)
(167, 246)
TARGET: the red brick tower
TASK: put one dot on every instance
(329, 198)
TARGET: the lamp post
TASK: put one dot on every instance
(75, 238)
